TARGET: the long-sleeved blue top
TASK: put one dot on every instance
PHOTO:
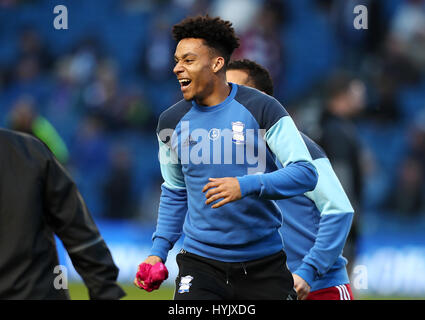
(316, 225)
(241, 137)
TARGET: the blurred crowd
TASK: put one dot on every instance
(93, 93)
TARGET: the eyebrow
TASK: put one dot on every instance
(185, 55)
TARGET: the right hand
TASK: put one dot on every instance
(153, 260)
(150, 260)
(301, 286)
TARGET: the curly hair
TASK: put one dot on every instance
(256, 73)
(218, 34)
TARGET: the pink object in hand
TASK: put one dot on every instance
(152, 276)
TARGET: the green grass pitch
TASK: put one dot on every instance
(78, 291)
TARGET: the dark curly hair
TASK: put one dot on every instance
(256, 73)
(218, 34)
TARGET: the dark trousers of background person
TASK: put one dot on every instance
(201, 278)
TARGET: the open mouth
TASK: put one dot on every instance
(184, 83)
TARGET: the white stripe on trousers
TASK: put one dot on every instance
(346, 291)
(340, 293)
(343, 292)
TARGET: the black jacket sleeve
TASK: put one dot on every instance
(68, 216)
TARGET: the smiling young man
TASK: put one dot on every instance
(218, 148)
(315, 224)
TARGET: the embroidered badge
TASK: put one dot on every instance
(185, 284)
(238, 132)
(214, 134)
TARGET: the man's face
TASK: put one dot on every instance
(194, 69)
(238, 76)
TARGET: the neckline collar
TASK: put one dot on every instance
(230, 97)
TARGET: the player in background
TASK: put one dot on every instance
(38, 200)
(315, 224)
(232, 247)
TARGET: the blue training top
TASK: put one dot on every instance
(316, 225)
(241, 137)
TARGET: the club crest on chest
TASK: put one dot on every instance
(238, 135)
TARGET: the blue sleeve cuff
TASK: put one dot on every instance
(307, 272)
(249, 184)
(160, 248)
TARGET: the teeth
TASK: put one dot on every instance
(184, 81)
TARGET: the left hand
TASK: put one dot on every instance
(226, 188)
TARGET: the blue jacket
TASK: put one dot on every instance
(241, 137)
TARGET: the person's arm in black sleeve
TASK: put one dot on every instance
(68, 216)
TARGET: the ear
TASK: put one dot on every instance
(218, 64)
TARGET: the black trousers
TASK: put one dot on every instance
(201, 278)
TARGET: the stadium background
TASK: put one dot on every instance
(93, 93)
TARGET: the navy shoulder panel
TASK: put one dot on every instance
(172, 116)
(316, 152)
(265, 109)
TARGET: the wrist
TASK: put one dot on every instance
(249, 185)
(153, 259)
(307, 273)
(160, 248)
